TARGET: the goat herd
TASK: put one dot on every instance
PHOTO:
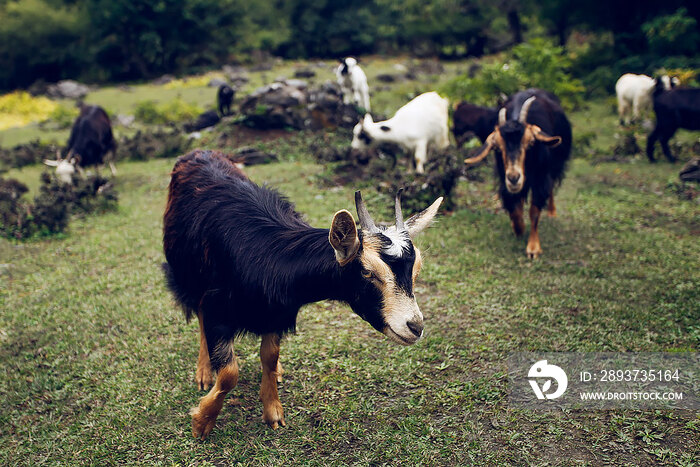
(242, 260)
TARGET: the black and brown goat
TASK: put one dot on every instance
(243, 261)
(528, 159)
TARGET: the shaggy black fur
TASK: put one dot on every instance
(544, 166)
(674, 109)
(224, 99)
(242, 256)
(91, 136)
(470, 118)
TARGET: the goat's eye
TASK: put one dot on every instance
(371, 276)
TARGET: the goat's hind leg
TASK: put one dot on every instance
(204, 416)
(273, 414)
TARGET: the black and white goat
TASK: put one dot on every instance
(418, 126)
(243, 261)
(91, 142)
(353, 83)
(634, 94)
(528, 159)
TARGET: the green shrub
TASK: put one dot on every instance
(174, 111)
(63, 116)
(537, 63)
(673, 34)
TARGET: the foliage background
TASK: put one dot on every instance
(112, 40)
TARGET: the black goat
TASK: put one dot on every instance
(675, 108)
(224, 99)
(528, 158)
(469, 118)
(241, 259)
(90, 140)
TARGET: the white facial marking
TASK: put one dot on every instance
(399, 242)
(405, 310)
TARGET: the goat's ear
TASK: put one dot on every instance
(368, 119)
(418, 222)
(384, 128)
(343, 237)
(541, 136)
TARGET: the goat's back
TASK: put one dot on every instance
(679, 107)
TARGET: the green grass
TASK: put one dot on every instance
(97, 363)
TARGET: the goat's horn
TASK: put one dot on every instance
(399, 216)
(366, 221)
(525, 109)
(502, 116)
(482, 154)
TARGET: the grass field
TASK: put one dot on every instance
(97, 363)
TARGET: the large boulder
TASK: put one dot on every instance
(67, 89)
(291, 103)
(691, 171)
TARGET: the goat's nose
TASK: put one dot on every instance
(513, 178)
(416, 327)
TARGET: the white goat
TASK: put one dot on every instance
(415, 126)
(353, 83)
(634, 93)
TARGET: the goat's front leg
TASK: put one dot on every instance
(551, 208)
(273, 414)
(533, 243)
(421, 156)
(204, 415)
(516, 218)
(204, 376)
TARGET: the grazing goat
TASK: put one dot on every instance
(528, 159)
(674, 109)
(634, 94)
(415, 126)
(353, 83)
(469, 118)
(242, 260)
(224, 99)
(91, 139)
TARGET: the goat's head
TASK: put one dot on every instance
(512, 139)
(65, 168)
(363, 135)
(380, 266)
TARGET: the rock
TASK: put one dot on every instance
(204, 120)
(387, 78)
(691, 171)
(400, 68)
(304, 73)
(252, 156)
(165, 79)
(216, 82)
(124, 120)
(292, 104)
(68, 89)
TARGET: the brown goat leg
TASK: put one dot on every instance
(516, 219)
(204, 376)
(551, 208)
(273, 414)
(533, 243)
(204, 416)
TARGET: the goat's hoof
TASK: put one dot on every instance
(201, 424)
(204, 378)
(273, 415)
(533, 251)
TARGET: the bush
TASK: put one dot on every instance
(537, 63)
(21, 108)
(50, 212)
(63, 116)
(174, 111)
(672, 34)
